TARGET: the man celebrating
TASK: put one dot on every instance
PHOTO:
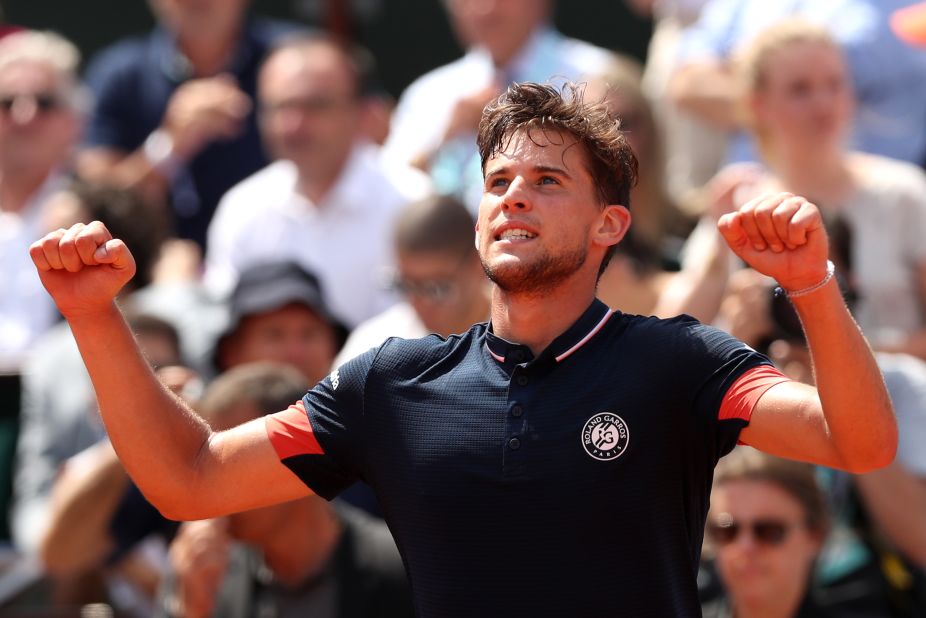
(556, 461)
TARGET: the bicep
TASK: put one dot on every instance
(239, 470)
(788, 421)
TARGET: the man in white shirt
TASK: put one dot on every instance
(329, 199)
(434, 126)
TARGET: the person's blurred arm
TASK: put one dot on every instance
(84, 497)
(199, 112)
(895, 498)
(199, 558)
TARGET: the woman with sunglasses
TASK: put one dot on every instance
(765, 528)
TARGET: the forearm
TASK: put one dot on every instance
(156, 436)
(709, 91)
(133, 170)
(84, 499)
(896, 500)
(857, 409)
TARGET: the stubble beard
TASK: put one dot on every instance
(538, 277)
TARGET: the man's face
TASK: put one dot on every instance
(202, 18)
(309, 108)
(38, 126)
(293, 334)
(540, 219)
(441, 287)
(502, 26)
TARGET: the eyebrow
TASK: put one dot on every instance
(548, 169)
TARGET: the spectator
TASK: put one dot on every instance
(174, 113)
(506, 41)
(40, 120)
(300, 558)
(438, 274)
(278, 313)
(883, 201)
(329, 199)
(765, 528)
(887, 77)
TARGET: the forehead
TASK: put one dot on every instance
(538, 146)
(28, 76)
(306, 69)
(802, 58)
(753, 498)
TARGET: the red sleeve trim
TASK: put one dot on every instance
(291, 434)
(743, 394)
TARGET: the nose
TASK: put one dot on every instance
(24, 110)
(516, 196)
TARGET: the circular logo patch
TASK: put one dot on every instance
(605, 436)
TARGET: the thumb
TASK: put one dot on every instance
(115, 253)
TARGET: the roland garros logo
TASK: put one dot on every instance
(605, 436)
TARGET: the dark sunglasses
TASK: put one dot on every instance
(764, 531)
(44, 102)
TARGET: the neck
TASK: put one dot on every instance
(208, 55)
(777, 606)
(535, 320)
(823, 177)
(18, 187)
(303, 544)
(316, 182)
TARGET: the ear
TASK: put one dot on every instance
(612, 225)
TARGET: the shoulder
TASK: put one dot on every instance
(585, 56)
(267, 32)
(679, 338)
(876, 171)
(120, 59)
(411, 357)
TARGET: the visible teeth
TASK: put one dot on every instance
(514, 233)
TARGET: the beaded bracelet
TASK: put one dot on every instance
(830, 272)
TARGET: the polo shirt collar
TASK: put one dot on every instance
(581, 332)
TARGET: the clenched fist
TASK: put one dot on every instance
(83, 268)
(780, 235)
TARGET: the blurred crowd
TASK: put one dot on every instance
(286, 214)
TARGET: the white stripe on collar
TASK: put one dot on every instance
(584, 340)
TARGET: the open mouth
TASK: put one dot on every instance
(515, 234)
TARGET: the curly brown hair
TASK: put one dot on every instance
(528, 106)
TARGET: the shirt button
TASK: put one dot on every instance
(517, 356)
(517, 411)
(514, 444)
(522, 380)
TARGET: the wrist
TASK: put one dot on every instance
(828, 276)
(160, 150)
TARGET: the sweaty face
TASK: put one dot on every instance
(38, 127)
(538, 214)
(806, 99)
(293, 334)
(754, 569)
(309, 109)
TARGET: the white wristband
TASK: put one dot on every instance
(830, 272)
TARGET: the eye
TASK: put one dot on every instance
(498, 181)
(549, 180)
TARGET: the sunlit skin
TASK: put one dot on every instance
(763, 580)
(293, 334)
(309, 113)
(804, 105)
(542, 232)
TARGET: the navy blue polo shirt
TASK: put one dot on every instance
(132, 82)
(574, 483)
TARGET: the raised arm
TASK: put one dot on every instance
(847, 422)
(184, 468)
